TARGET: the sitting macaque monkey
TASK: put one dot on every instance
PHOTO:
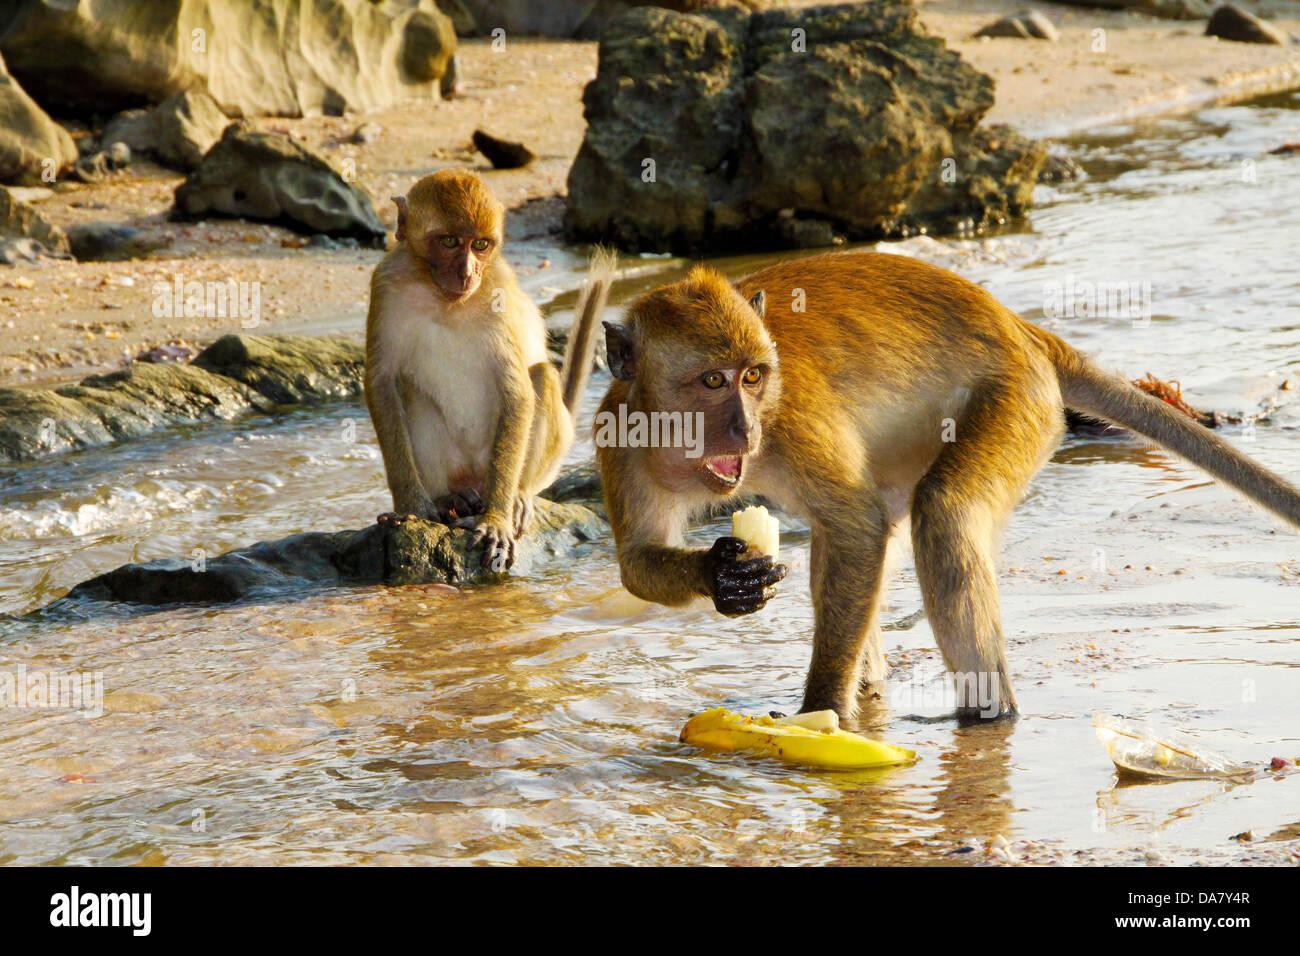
(902, 390)
(472, 418)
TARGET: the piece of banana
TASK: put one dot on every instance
(760, 530)
(809, 739)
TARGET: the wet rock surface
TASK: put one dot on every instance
(268, 176)
(235, 376)
(730, 129)
(416, 552)
(253, 57)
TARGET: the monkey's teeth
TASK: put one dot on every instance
(727, 468)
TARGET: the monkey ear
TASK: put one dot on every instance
(759, 303)
(619, 352)
(402, 211)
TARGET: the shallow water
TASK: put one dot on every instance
(536, 722)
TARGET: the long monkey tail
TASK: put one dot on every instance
(582, 336)
(1089, 389)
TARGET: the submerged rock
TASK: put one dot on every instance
(726, 129)
(236, 375)
(416, 552)
(253, 57)
(268, 176)
(32, 145)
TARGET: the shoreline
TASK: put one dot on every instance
(63, 320)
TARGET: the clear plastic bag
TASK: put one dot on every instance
(1144, 750)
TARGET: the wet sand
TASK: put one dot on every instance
(62, 320)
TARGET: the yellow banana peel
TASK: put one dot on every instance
(813, 740)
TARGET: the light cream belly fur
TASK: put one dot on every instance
(453, 402)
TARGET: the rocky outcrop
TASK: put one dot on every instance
(580, 19)
(253, 57)
(268, 176)
(175, 133)
(788, 128)
(21, 226)
(32, 145)
(235, 376)
(416, 552)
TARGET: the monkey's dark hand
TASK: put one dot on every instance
(458, 505)
(494, 535)
(740, 586)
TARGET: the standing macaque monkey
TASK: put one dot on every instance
(903, 389)
(472, 418)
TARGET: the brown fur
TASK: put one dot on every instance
(890, 354)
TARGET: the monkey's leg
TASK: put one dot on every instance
(847, 571)
(958, 510)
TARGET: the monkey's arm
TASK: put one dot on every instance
(384, 400)
(654, 570)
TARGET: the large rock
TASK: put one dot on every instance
(268, 176)
(581, 19)
(235, 376)
(867, 132)
(254, 57)
(176, 132)
(32, 146)
(417, 552)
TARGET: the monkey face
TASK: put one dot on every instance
(731, 400)
(456, 262)
(452, 224)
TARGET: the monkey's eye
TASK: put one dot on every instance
(752, 376)
(478, 245)
(714, 380)
(450, 242)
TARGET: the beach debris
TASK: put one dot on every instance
(1144, 750)
(1169, 392)
(1232, 23)
(502, 153)
(812, 739)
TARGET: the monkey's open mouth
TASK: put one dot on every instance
(726, 468)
